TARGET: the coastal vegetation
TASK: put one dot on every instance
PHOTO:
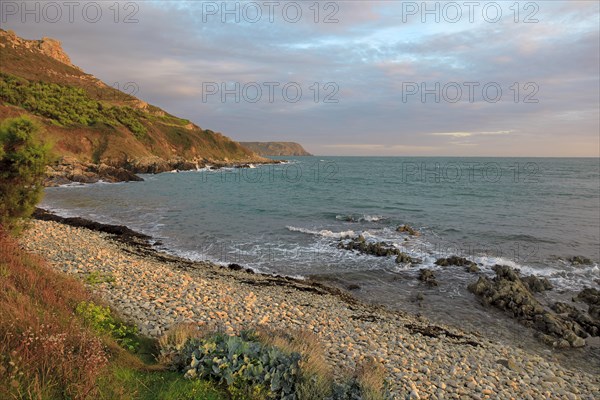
(23, 160)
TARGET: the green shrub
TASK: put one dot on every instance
(67, 105)
(102, 321)
(249, 368)
(22, 165)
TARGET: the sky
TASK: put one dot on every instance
(377, 78)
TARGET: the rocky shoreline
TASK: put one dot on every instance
(69, 170)
(423, 360)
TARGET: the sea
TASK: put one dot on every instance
(533, 214)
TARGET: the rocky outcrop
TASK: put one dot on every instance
(408, 229)
(507, 291)
(536, 284)
(579, 260)
(47, 46)
(469, 265)
(590, 296)
(427, 276)
(70, 170)
(379, 249)
(267, 149)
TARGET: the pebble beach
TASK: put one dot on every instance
(156, 291)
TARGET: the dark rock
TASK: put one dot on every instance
(404, 258)
(590, 296)
(427, 276)
(536, 284)
(235, 267)
(594, 312)
(473, 268)
(378, 249)
(455, 260)
(249, 271)
(507, 291)
(353, 287)
(579, 260)
(408, 229)
(586, 323)
(111, 174)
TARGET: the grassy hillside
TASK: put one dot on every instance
(91, 122)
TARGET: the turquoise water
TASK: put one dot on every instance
(287, 219)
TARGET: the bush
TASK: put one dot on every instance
(267, 364)
(102, 321)
(22, 165)
(249, 369)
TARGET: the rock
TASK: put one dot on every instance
(408, 229)
(427, 276)
(377, 249)
(594, 311)
(353, 287)
(455, 260)
(585, 324)
(536, 284)
(473, 268)
(508, 292)
(590, 296)
(510, 364)
(579, 260)
(235, 267)
(404, 258)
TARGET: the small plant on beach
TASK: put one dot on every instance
(101, 320)
(248, 368)
(22, 164)
(96, 278)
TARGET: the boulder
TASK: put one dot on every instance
(377, 249)
(455, 261)
(536, 284)
(590, 296)
(408, 229)
(427, 276)
(579, 260)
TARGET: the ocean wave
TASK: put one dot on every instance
(323, 232)
(360, 218)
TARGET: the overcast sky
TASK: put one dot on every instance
(378, 67)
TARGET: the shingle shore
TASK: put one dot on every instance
(423, 360)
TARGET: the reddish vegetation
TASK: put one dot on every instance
(44, 350)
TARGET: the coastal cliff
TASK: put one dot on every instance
(96, 129)
(276, 148)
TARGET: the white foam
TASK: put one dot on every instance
(323, 232)
(365, 218)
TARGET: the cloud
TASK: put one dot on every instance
(470, 134)
(369, 53)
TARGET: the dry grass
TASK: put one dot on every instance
(44, 351)
(370, 374)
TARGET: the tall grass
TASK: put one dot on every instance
(44, 351)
